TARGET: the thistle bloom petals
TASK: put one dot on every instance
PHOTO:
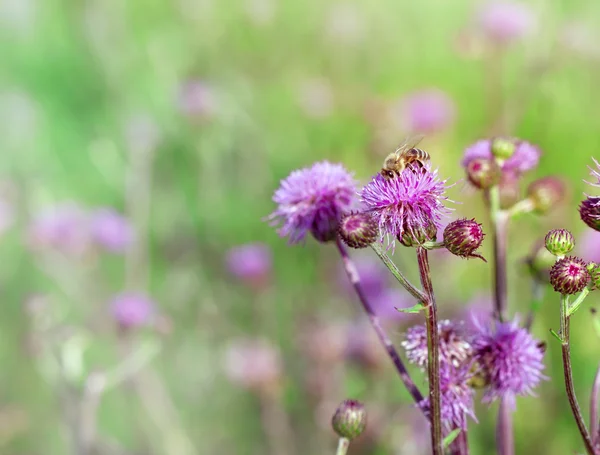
(406, 203)
(595, 173)
(313, 199)
(512, 360)
(525, 157)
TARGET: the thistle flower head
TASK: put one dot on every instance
(455, 347)
(524, 158)
(589, 210)
(545, 193)
(358, 230)
(569, 275)
(406, 203)
(463, 237)
(349, 419)
(427, 111)
(312, 200)
(511, 359)
(559, 242)
(456, 397)
(483, 173)
(595, 173)
(251, 261)
(111, 230)
(506, 21)
(132, 309)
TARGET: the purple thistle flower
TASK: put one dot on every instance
(64, 227)
(525, 157)
(249, 262)
(427, 111)
(511, 359)
(455, 345)
(111, 230)
(313, 199)
(457, 396)
(506, 21)
(589, 246)
(407, 204)
(132, 309)
(595, 173)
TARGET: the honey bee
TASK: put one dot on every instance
(405, 156)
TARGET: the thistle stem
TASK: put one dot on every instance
(460, 446)
(416, 293)
(352, 273)
(565, 321)
(433, 353)
(594, 424)
(342, 447)
(499, 218)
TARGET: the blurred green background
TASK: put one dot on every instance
(184, 115)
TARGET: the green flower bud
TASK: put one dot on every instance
(559, 242)
(350, 419)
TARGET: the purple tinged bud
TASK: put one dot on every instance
(463, 237)
(358, 230)
(559, 242)
(419, 234)
(483, 173)
(589, 210)
(569, 275)
(545, 193)
(503, 148)
(350, 419)
(132, 309)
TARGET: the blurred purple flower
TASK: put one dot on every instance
(455, 344)
(407, 203)
(132, 309)
(64, 227)
(253, 363)
(506, 21)
(511, 360)
(477, 312)
(457, 396)
(111, 230)
(312, 200)
(589, 246)
(427, 111)
(525, 157)
(197, 98)
(373, 276)
(250, 261)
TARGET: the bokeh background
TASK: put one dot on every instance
(142, 141)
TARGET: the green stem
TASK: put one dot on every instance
(416, 293)
(568, 372)
(575, 305)
(343, 445)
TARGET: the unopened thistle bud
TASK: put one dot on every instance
(590, 212)
(559, 242)
(503, 148)
(483, 173)
(545, 193)
(569, 275)
(594, 270)
(358, 230)
(418, 234)
(350, 419)
(463, 237)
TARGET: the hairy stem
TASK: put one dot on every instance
(343, 445)
(352, 273)
(499, 218)
(594, 424)
(567, 369)
(433, 353)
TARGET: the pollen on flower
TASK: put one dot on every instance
(407, 203)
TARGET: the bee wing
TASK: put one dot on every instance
(410, 142)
